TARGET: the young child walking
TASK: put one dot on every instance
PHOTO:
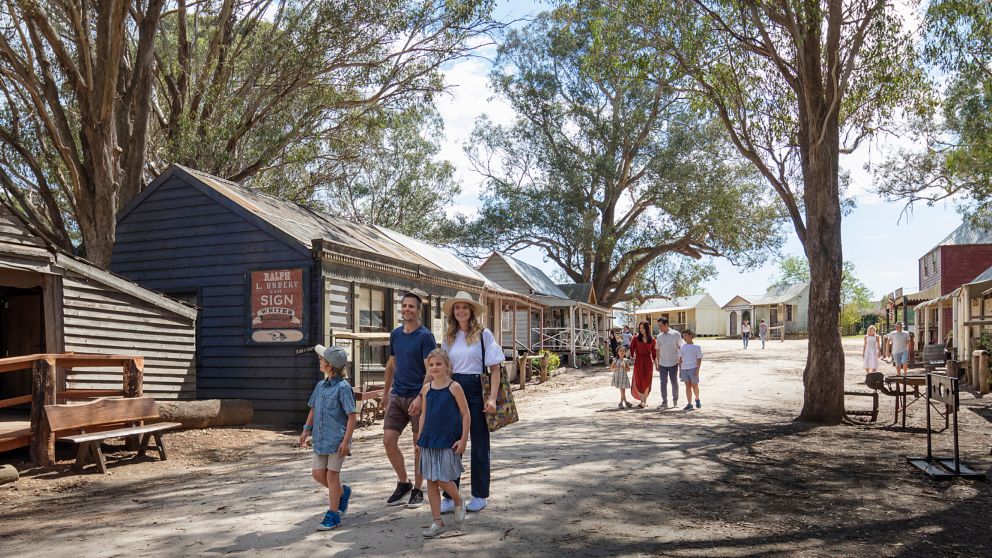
(621, 380)
(332, 422)
(444, 428)
(690, 360)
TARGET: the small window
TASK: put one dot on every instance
(371, 309)
(788, 312)
(437, 308)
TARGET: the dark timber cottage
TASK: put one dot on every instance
(273, 278)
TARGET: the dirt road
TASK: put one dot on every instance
(575, 476)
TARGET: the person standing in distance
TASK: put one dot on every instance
(405, 376)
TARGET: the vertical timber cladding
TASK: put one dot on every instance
(183, 237)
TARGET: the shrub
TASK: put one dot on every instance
(554, 361)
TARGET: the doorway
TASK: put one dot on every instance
(733, 323)
(22, 332)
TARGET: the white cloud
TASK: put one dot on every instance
(468, 98)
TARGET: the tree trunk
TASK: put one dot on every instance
(823, 378)
(97, 199)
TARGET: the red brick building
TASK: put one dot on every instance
(965, 254)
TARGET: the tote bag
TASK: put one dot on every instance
(506, 409)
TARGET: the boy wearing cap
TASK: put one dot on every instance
(332, 421)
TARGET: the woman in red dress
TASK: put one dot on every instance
(643, 349)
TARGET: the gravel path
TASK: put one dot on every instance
(575, 476)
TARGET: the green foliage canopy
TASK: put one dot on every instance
(956, 127)
(608, 169)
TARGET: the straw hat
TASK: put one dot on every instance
(462, 296)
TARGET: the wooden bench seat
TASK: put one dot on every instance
(89, 424)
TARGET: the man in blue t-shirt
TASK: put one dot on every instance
(406, 374)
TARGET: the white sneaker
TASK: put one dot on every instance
(447, 505)
(434, 530)
(460, 513)
(476, 504)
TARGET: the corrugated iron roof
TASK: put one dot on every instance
(779, 294)
(967, 234)
(656, 304)
(538, 281)
(985, 276)
(304, 225)
(576, 291)
(434, 256)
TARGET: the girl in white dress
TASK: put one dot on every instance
(870, 351)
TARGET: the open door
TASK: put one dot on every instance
(22, 332)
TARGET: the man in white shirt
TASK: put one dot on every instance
(667, 346)
(899, 349)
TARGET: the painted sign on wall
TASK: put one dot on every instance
(276, 306)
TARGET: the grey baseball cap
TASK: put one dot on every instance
(335, 356)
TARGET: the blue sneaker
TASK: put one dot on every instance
(345, 497)
(331, 521)
(697, 404)
(687, 407)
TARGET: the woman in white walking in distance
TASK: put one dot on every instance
(870, 351)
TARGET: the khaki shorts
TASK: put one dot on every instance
(329, 461)
(398, 415)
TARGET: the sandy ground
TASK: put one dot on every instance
(575, 476)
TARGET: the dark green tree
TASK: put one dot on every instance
(608, 169)
(396, 179)
(956, 130)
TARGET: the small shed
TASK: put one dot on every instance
(54, 303)
(569, 326)
(700, 313)
(272, 278)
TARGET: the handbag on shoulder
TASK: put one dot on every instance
(506, 408)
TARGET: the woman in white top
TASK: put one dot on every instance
(464, 341)
(870, 351)
(746, 332)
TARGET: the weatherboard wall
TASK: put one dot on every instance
(191, 242)
(99, 319)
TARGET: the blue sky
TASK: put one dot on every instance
(883, 242)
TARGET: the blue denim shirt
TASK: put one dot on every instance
(332, 401)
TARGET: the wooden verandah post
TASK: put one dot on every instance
(43, 392)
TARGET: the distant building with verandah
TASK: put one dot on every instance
(782, 306)
(700, 313)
